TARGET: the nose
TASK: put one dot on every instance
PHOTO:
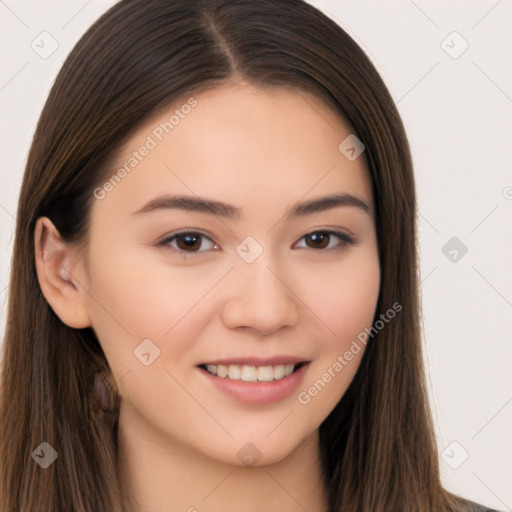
(260, 298)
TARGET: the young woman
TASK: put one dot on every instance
(213, 302)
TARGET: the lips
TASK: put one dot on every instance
(249, 373)
(253, 369)
(271, 383)
(257, 361)
(255, 380)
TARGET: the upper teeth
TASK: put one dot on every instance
(249, 373)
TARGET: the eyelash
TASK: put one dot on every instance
(344, 238)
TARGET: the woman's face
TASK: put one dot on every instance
(257, 282)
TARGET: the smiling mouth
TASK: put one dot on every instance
(251, 373)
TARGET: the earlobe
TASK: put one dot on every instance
(56, 262)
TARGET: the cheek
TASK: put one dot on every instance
(149, 299)
(131, 299)
(344, 297)
(346, 305)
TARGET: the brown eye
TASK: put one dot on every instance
(318, 240)
(188, 243)
(327, 240)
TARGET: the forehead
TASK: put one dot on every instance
(238, 143)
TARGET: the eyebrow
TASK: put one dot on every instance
(228, 211)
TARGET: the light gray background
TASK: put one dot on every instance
(458, 116)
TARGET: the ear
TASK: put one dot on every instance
(56, 264)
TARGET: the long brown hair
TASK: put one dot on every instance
(377, 447)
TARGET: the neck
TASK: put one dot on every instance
(161, 475)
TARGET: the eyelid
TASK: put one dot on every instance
(345, 240)
(166, 240)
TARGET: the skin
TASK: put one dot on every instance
(261, 150)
